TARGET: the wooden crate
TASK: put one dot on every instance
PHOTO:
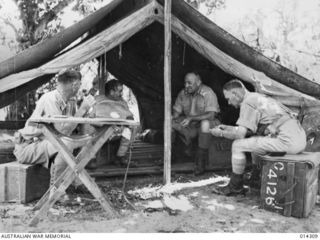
(141, 152)
(289, 184)
(22, 183)
(144, 152)
(219, 154)
(6, 152)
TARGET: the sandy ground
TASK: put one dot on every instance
(190, 210)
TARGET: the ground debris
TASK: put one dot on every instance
(4, 213)
(159, 191)
(166, 214)
(256, 220)
(171, 212)
(178, 230)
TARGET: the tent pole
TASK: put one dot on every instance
(102, 71)
(167, 92)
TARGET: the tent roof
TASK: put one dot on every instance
(136, 26)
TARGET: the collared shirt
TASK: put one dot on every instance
(257, 109)
(49, 104)
(204, 100)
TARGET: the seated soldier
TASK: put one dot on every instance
(30, 146)
(194, 112)
(281, 134)
(112, 105)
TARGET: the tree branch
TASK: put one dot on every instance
(310, 54)
(16, 31)
(52, 14)
(48, 17)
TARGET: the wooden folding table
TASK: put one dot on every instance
(108, 127)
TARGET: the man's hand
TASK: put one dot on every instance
(222, 127)
(87, 103)
(216, 131)
(185, 122)
(271, 131)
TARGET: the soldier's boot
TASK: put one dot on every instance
(234, 187)
(200, 161)
(253, 178)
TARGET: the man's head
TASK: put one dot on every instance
(69, 82)
(234, 92)
(114, 89)
(192, 81)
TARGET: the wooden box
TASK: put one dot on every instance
(6, 152)
(219, 154)
(22, 183)
(289, 184)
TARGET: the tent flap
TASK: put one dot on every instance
(86, 51)
(240, 51)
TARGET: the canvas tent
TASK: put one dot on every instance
(129, 35)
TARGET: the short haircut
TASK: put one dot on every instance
(233, 84)
(196, 73)
(112, 85)
(69, 76)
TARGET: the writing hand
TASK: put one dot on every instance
(271, 131)
(216, 131)
(221, 126)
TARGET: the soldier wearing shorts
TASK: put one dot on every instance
(264, 126)
(194, 113)
(31, 147)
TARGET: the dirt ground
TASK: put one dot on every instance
(204, 212)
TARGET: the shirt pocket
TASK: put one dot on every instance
(186, 106)
(200, 105)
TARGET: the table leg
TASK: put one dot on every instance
(74, 169)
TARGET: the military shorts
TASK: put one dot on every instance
(36, 152)
(291, 139)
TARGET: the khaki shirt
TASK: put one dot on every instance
(257, 109)
(204, 100)
(49, 104)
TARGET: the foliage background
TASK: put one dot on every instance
(286, 31)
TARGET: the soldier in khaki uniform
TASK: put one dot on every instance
(112, 105)
(31, 147)
(281, 132)
(194, 112)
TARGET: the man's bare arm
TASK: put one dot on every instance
(204, 116)
(230, 132)
(175, 114)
